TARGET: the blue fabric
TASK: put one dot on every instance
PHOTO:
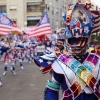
(3, 50)
(13, 67)
(21, 64)
(82, 59)
(20, 46)
(5, 68)
(43, 62)
(85, 96)
(61, 79)
(51, 94)
(1, 53)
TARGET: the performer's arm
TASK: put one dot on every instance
(53, 87)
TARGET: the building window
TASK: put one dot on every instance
(34, 8)
(52, 23)
(56, 10)
(3, 8)
(48, 8)
(52, 10)
(32, 22)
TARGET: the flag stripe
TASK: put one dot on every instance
(96, 29)
(42, 33)
(4, 33)
(40, 30)
(96, 24)
(44, 28)
(97, 19)
(4, 30)
(37, 28)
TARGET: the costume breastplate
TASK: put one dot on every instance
(91, 63)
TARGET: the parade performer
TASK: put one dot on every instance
(19, 47)
(60, 46)
(10, 56)
(78, 72)
(20, 58)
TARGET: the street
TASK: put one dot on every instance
(28, 84)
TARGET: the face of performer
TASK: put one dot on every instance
(78, 45)
(60, 44)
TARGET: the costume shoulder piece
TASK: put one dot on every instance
(93, 59)
(90, 63)
(58, 66)
(45, 61)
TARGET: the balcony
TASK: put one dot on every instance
(33, 3)
(34, 12)
(34, 0)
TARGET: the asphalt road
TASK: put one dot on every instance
(28, 84)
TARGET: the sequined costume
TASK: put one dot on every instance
(78, 72)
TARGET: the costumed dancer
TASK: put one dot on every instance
(78, 72)
(20, 58)
(10, 56)
(60, 45)
(33, 49)
(20, 53)
(32, 53)
(28, 54)
(5, 49)
(13, 55)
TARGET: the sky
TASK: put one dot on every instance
(97, 2)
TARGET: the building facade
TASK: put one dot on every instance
(27, 13)
(55, 9)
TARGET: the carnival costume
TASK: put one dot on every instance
(78, 72)
(10, 56)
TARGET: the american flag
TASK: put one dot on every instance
(42, 28)
(6, 25)
(16, 29)
(96, 24)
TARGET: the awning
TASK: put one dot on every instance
(33, 3)
(33, 17)
(13, 7)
